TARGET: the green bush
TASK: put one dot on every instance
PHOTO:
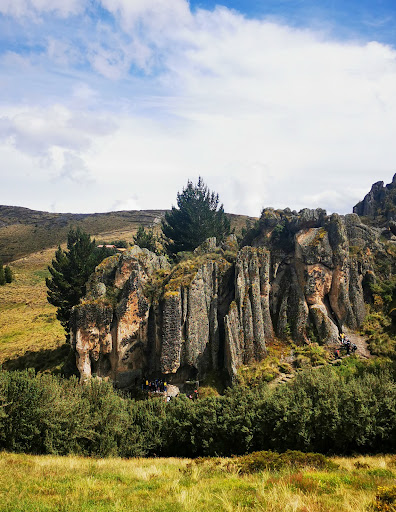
(310, 355)
(8, 274)
(291, 459)
(348, 409)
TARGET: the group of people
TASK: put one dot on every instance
(154, 386)
(345, 344)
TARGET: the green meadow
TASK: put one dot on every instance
(66, 484)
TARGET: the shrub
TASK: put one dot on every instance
(8, 274)
(310, 355)
(291, 459)
(385, 499)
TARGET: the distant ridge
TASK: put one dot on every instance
(24, 231)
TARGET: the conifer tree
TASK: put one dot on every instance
(197, 217)
(2, 274)
(70, 271)
(8, 274)
(146, 239)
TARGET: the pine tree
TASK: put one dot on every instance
(2, 274)
(8, 274)
(70, 271)
(197, 218)
(146, 239)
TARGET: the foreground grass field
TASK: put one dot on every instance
(47, 483)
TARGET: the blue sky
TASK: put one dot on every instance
(115, 104)
(364, 19)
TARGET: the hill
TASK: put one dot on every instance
(24, 231)
(30, 334)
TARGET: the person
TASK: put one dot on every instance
(348, 346)
(354, 348)
(337, 353)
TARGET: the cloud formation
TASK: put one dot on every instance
(25, 8)
(156, 93)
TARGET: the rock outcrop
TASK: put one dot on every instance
(303, 275)
(379, 203)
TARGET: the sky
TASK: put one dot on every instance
(115, 104)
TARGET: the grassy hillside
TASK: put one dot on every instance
(29, 330)
(44, 483)
(24, 231)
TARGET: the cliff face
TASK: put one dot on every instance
(380, 203)
(303, 275)
(110, 328)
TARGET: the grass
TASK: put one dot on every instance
(28, 324)
(24, 231)
(46, 483)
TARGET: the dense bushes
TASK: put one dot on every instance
(291, 459)
(351, 409)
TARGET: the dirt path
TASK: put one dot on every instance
(361, 351)
(360, 342)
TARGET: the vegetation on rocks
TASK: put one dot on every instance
(380, 323)
(165, 282)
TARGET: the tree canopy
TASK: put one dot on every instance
(146, 239)
(70, 271)
(197, 217)
(2, 274)
(8, 274)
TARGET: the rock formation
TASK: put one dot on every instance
(379, 202)
(302, 275)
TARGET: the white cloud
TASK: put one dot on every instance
(267, 114)
(160, 16)
(24, 8)
(75, 169)
(36, 131)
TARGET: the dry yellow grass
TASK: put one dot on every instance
(44, 483)
(27, 321)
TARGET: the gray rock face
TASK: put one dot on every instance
(303, 277)
(380, 201)
(248, 324)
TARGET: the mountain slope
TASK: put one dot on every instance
(24, 231)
